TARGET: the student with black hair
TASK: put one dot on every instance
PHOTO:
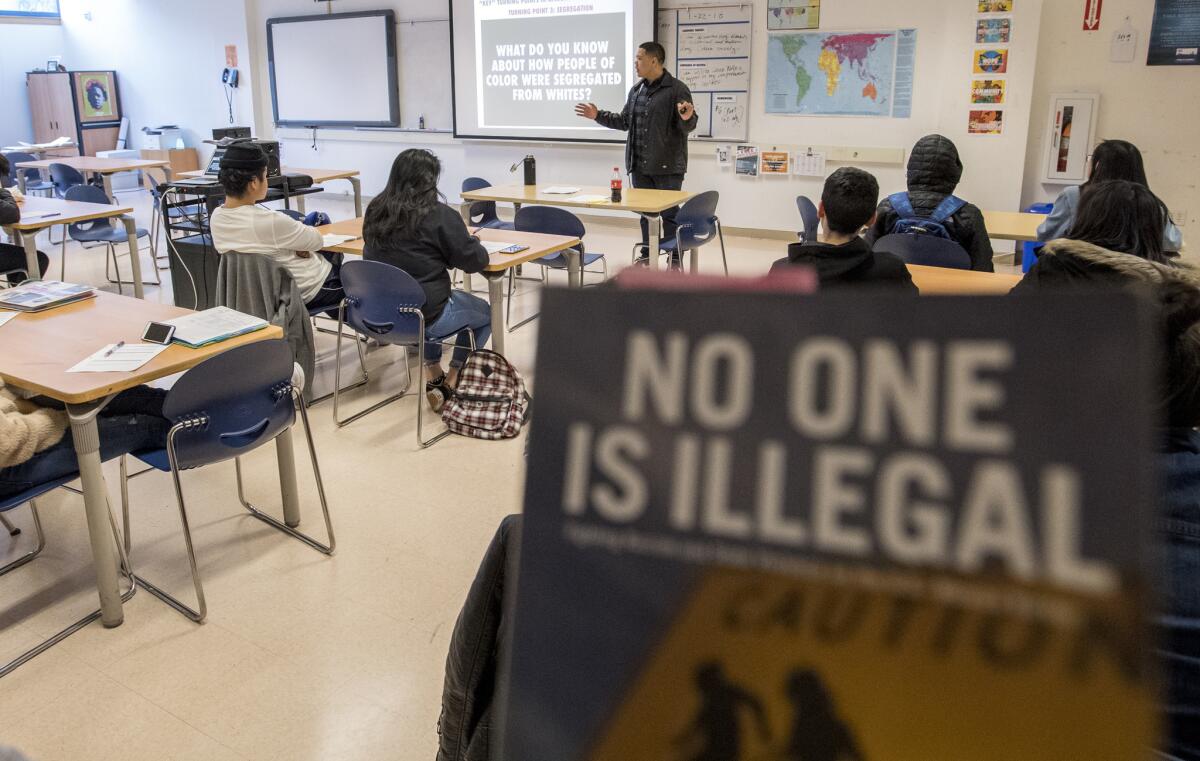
(242, 225)
(842, 257)
(13, 257)
(1116, 215)
(1112, 160)
(409, 226)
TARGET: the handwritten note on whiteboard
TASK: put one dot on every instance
(709, 50)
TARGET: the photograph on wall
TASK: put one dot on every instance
(746, 164)
(1175, 34)
(995, 6)
(793, 14)
(986, 123)
(96, 94)
(991, 61)
(724, 156)
(989, 31)
(989, 92)
(776, 162)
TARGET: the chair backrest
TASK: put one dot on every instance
(64, 178)
(697, 220)
(375, 294)
(482, 212)
(915, 248)
(87, 194)
(808, 218)
(243, 396)
(549, 220)
(19, 157)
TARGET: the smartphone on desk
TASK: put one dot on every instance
(515, 248)
(158, 333)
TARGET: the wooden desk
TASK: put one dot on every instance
(941, 280)
(319, 176)
(35, 352)
(67, 212)
(645, 203)
(105, 168)
(539, 246)
(1012, 225)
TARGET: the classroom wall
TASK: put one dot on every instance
(23, 47)
(1155, 107)
(946, 42)
(168, 55)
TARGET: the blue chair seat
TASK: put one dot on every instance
(156, 458)
(32, 187)
(106, 235)
(17, 500)
(498, 224)
(559, 261)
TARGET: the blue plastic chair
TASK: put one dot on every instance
(928, 250)
(697, 225)
(31, 496)
(64, 177)
(483, 213)
(33, 177)
(222, 409)
(551, 220)
(809, 218)
(99, 231)
(384, 303)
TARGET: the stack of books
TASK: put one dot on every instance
(43, 294)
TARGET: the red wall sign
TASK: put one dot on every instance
(1091, 14)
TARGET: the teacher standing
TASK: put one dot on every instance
(658, 115)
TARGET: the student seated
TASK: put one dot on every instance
(13, 257)
(842, 257)
(934, 170)
(1117, 216)
(409, 226)
(244, 226)
(35, 449)
(1113, 160)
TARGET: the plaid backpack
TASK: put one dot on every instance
(490, 401)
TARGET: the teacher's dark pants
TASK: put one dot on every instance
(659, 182)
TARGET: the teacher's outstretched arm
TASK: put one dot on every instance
(610, 119)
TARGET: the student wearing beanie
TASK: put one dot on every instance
(244, 226)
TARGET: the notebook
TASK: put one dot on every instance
(43, 294)
(213, 325)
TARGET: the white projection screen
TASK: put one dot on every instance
(334, 70)
(520, 66)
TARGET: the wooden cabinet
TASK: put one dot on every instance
(54, 112)
(182, 159)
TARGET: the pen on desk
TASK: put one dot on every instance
(118, 345)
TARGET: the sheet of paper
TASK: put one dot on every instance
(585, 198)
(199, 328)
(809, 164)
(331, 239)
(559, 190)
(40, 215)
(6, 316)
(494, 247)
(118, 359)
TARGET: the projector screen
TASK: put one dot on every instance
(520, 66)
(334, 70)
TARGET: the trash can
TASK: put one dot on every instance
(1031, 249)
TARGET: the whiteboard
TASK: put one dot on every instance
(709, 50)
(334, 70)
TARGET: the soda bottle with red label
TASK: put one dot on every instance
(616, 185)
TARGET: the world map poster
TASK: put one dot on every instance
(841, 73)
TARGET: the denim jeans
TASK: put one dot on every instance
(659, 182)
(132, 422)
(331, 293)
(463, 310)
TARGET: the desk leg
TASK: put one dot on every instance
(108, 191)
(354, 183)
(285, 453)
(655, 241)
(86, 436)
(496, 297)
(20, 180)
(574, 268)
(300, 205)
(135, 259)
(29, 241)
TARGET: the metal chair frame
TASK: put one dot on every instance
(693, 252)
(111, 257)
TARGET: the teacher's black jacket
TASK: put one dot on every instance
(666, 133)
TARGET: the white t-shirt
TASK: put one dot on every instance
(256, 229)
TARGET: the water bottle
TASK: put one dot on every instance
(616, 185)
(421, 122)
(530, 170)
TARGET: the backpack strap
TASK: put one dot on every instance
(949, 206)
(902, 205)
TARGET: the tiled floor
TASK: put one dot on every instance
(303, 656)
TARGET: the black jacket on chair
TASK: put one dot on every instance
(934, 170)
(666, 133)
(478, 647)
(850, 264)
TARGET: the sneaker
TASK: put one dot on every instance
(436, 393)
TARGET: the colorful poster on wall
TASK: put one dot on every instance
(1175, 34)
(746, 161)
(989, 31)
(775, 162)
(985, 123)
(995, 6)
(785, 528)
(991, 61)
(96, 94)
(793, 14)
(988, 92)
